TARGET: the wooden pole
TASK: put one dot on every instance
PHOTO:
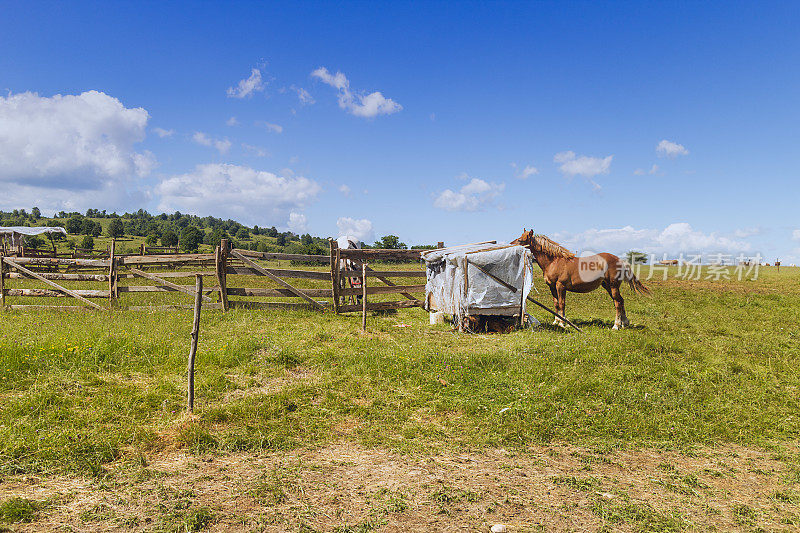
(555, 314)
(2, 284)
(198, 304)
(334, 248)
(363, 297)
(222, 275)
(111, 262)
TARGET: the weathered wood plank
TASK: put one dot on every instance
(380, 306)
(52, 261)
(383, 290)
(47, 281)
(275, 278)
(166, 259)
(60, 276)
(47, 293)
(212, 305)
(186, 274)
(165, 282)
(278, 293)
(282, 273)
(380, 255)
(385, 273)
(39, 307)
(274, 256)
(273, 305)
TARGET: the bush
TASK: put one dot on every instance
(87, 242)
(151, 239)
(191, 238)
(74, 225)
(169, 238)
(116, 228)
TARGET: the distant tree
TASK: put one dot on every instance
(390, 242)
(191, 238)
(36, 214)
(97, 229)
(306, 239)
(281, 239)
(87, 242)
(74, 225)
(633, 257)
(243, 233)
(256, 230)
(32, 241)
(116, 228)
(272, 232)
(151, 239)
(169, 238)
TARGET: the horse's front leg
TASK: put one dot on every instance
(559, 292)
(556, 303)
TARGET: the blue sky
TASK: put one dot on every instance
(448, 121)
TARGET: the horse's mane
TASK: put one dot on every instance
(548, 246)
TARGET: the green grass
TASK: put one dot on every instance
(711, 362)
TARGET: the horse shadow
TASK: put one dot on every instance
(601, 323)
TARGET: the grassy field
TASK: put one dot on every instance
(709, 368)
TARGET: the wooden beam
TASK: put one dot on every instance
(380, 255)
(60, 276)
(334, 258)
(283, 273)
(48, 282)
(275, 278)
(270, 256)
(385, 273)
(166, 283)
(391, 289)
(47, 293)
(241, 304)
(278, 292)
(53, 261)
(380, 306)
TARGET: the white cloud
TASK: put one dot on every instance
(69, 149)
(233, 121)
(360, 105)
(298, 222)
(255, 150)
(674, 239)
(304, 96)
(585, 166)
(653, 171)
(796, 235)
(238, 192)
(275, 128)
(670, 149)
(344, 189)
(223, 145)
(744, 233)
(247, 86)
(475, 195)
(526, 172)
(161, 132)
(358, 228)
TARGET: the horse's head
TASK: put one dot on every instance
(526, 239)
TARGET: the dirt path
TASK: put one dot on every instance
(345, 488)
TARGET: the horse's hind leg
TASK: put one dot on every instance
(559, 292)
(621, 320)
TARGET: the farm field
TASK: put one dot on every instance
(688, 420)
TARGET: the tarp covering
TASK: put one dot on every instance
(457, 291)
(26, 230)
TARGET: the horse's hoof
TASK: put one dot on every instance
(616, 326)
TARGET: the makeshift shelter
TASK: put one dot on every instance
(478, 279)
(13, 237)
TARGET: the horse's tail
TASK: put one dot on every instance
(636, 285)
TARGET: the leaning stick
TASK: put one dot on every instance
(198, 304)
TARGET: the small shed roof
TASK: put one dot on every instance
(27, 230)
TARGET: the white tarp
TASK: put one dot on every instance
(453, 290)
(26, 230)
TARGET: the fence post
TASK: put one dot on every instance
(363, 297)
(198, 304)
(2, 284)
(222, 273)
(440, 244)
(334, 247)
(111, 269)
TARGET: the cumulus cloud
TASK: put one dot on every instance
(344, 189)
(676, 238)
(670, 149)
(477, 194)
(358, 228)
(275, 128)
(223, 145)
(586, 166)
(744, 233)
(238, 192)
(298, 222)
(360, 105)
(233, 121)
(67, 149)
(161, 132)
(526, 172)
(247, 86)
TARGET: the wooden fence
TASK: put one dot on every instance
(238, 279)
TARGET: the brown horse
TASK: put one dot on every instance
(563, 272)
